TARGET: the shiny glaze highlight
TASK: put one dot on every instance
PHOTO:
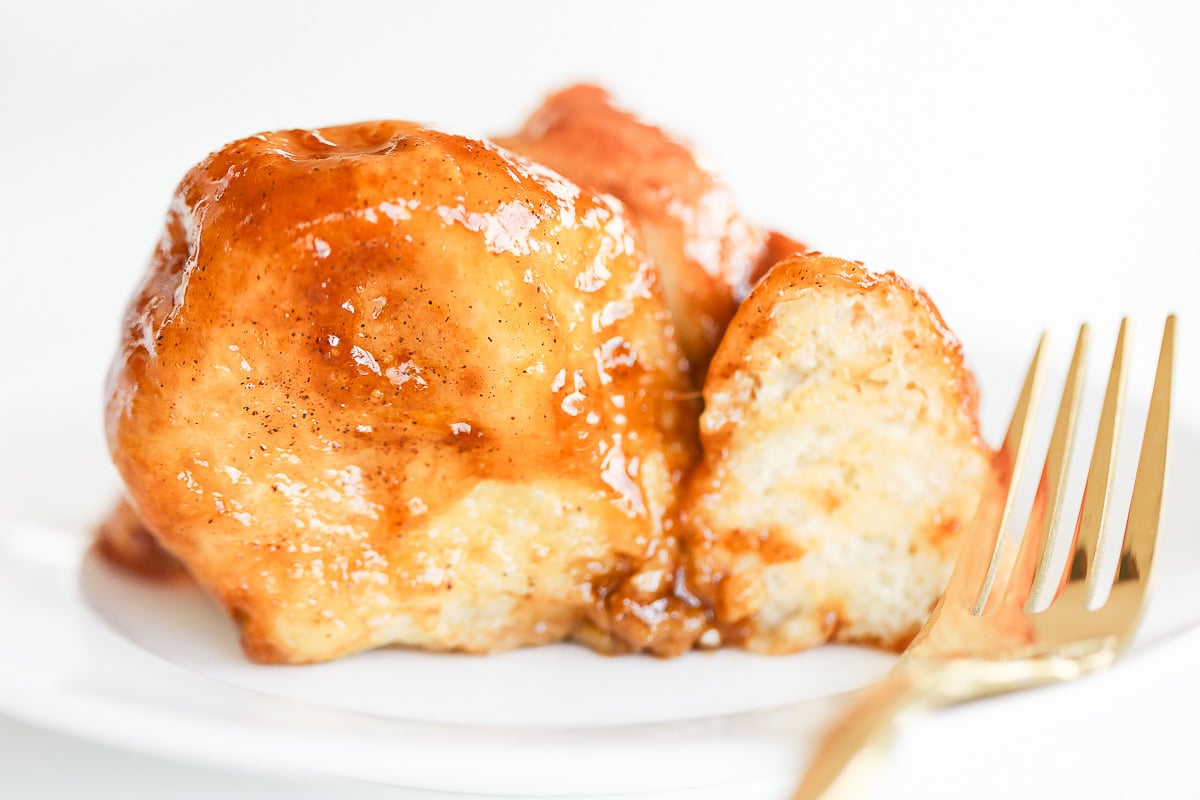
(384, 384)
(706, 252)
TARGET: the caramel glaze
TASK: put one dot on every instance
(779, 247)
(123, 539)
(388, 385)
(707, 253)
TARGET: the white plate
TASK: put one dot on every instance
(157, 670)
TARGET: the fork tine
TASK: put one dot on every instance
(1091, 532)
(1031, 573)
(975, 569)
(959, 657)
(1141, 529)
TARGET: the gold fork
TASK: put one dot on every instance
(986, 635)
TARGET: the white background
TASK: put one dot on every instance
(1031, 164)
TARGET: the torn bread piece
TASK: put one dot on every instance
(842, 457)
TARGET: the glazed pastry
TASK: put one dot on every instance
(706, 252)
(384, 385)
(125, 540)
(842, 458)
(779, 246)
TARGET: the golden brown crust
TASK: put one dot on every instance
(387, 384)
(122, 539)
(780, 246)
(705, 251)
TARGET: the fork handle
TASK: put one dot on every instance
(847, 762)
(849, 757)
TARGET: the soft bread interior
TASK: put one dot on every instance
(841, 462)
